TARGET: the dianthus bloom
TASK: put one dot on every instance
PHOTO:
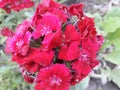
(55, 77)
(57, 47)
(15, 5)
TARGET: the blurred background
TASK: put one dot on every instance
(106, 76)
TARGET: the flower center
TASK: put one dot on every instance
(45, 30)
(54, 80)
(84, 56)
(19, 43)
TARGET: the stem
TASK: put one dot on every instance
(96, 76)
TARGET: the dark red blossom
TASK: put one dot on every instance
(76, 9)
(28, 77)
(31, 66)
(71, 35)
(52, 40)
(55, 77)
(87, 28)
(49, 6)
(6, 32)
(35, 56)
(86, 60)
(44, 58)
(16, 5)
(69, 53)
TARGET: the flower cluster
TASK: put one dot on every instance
(57, 47)
(15, 5)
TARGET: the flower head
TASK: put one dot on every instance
(55, 77)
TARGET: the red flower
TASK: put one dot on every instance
(55, 77)
(7, 32)
(53, 50)
(52, 40)
(28, 77)
(99, 41)
(87, 28)
(46, 6)
(31, 66)
(91, 45)
(4, 4)
(35, 56)
(71, 35)
(18, 44)
(44, 58)
(16, 5)
(76, 9)
(48, 24)
(70, 52)
(49, 6)
(71, 40)
(86, 61)
(82, 69)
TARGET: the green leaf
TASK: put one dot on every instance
(113, 38)
(83, 84)
(113, 57)
(115, 76)
(114, 11)
(98, 19)
(111, 24)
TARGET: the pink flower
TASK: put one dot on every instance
(19, 42)
(24, 27)
(55, 77)
(49, 23)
